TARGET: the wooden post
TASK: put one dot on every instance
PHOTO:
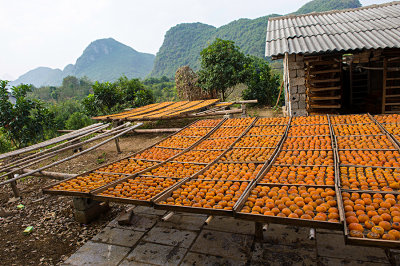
(14, 186)
(117, 145)
(259, 231)
(244, 111)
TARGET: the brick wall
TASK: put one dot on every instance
(295, 83)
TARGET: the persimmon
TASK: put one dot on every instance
(258, 141)
(216, 144)
(177, 170)
(305, 157)
(140, 188)
(370, 158)
(305, 143)
(364, 142)
(350, 119)
(248, 155)
(198, 156)
(127, 166)
(310, 120)
(235, 122)
(87, 183)
(309, 130)
(368, 178)
(272, 121)
(356, 233)
(356, 129)
(228, 132)
(178, 142)
(206, 123)
(388, 118)
(194, 132)
(356, 227)
(266, 130)
(157, 154)
(231, 171)
(194, 187)
(289, 201)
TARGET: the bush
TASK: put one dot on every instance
(261, 83)
(77, 120)
(5, 144)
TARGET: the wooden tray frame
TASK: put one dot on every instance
(48, 190)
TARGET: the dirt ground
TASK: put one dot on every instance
(55, 234)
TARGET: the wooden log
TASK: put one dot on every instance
(73, 156)
(35, 160)
(51, 175)
(143, 131)
(14, 186)
(26, 159)
(47, 142)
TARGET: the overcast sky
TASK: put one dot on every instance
(54, 33)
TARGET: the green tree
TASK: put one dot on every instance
(77, 120)
(261, 83)
(222, 67)
(27, 120)
(129, 88)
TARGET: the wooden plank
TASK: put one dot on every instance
(393, 96)
(384, 85)
(325, 71)
(324, 80)
(392, 104)
(325, 98)
(313, 89)
(392, 87)
(318, 106)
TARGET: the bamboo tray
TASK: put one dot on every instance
(368, 241)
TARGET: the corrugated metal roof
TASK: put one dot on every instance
(370, 27)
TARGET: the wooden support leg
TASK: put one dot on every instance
(117, 145)
(259, 231)
(244, 111)
(14, 186)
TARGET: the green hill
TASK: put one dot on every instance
(183, 43)
(102, 60)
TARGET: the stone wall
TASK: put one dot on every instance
(295, 85)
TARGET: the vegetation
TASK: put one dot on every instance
(27, 120)
(323, 5)
(222, 67)
(183, 43)
(110, 97)
(261, 83)
(163, 88)
(71, 88)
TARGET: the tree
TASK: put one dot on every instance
(77, 120)
(129, 88)
(26, 121)
(222, 67)
(261, 83)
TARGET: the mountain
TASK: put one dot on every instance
(323, 5)
(183, 43)
(40, 76)
(102, 60)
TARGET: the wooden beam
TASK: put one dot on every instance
(73, 156)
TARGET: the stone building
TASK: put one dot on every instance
(345, 61)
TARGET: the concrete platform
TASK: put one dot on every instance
(185, 240)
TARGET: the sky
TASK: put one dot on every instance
(55, 33)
